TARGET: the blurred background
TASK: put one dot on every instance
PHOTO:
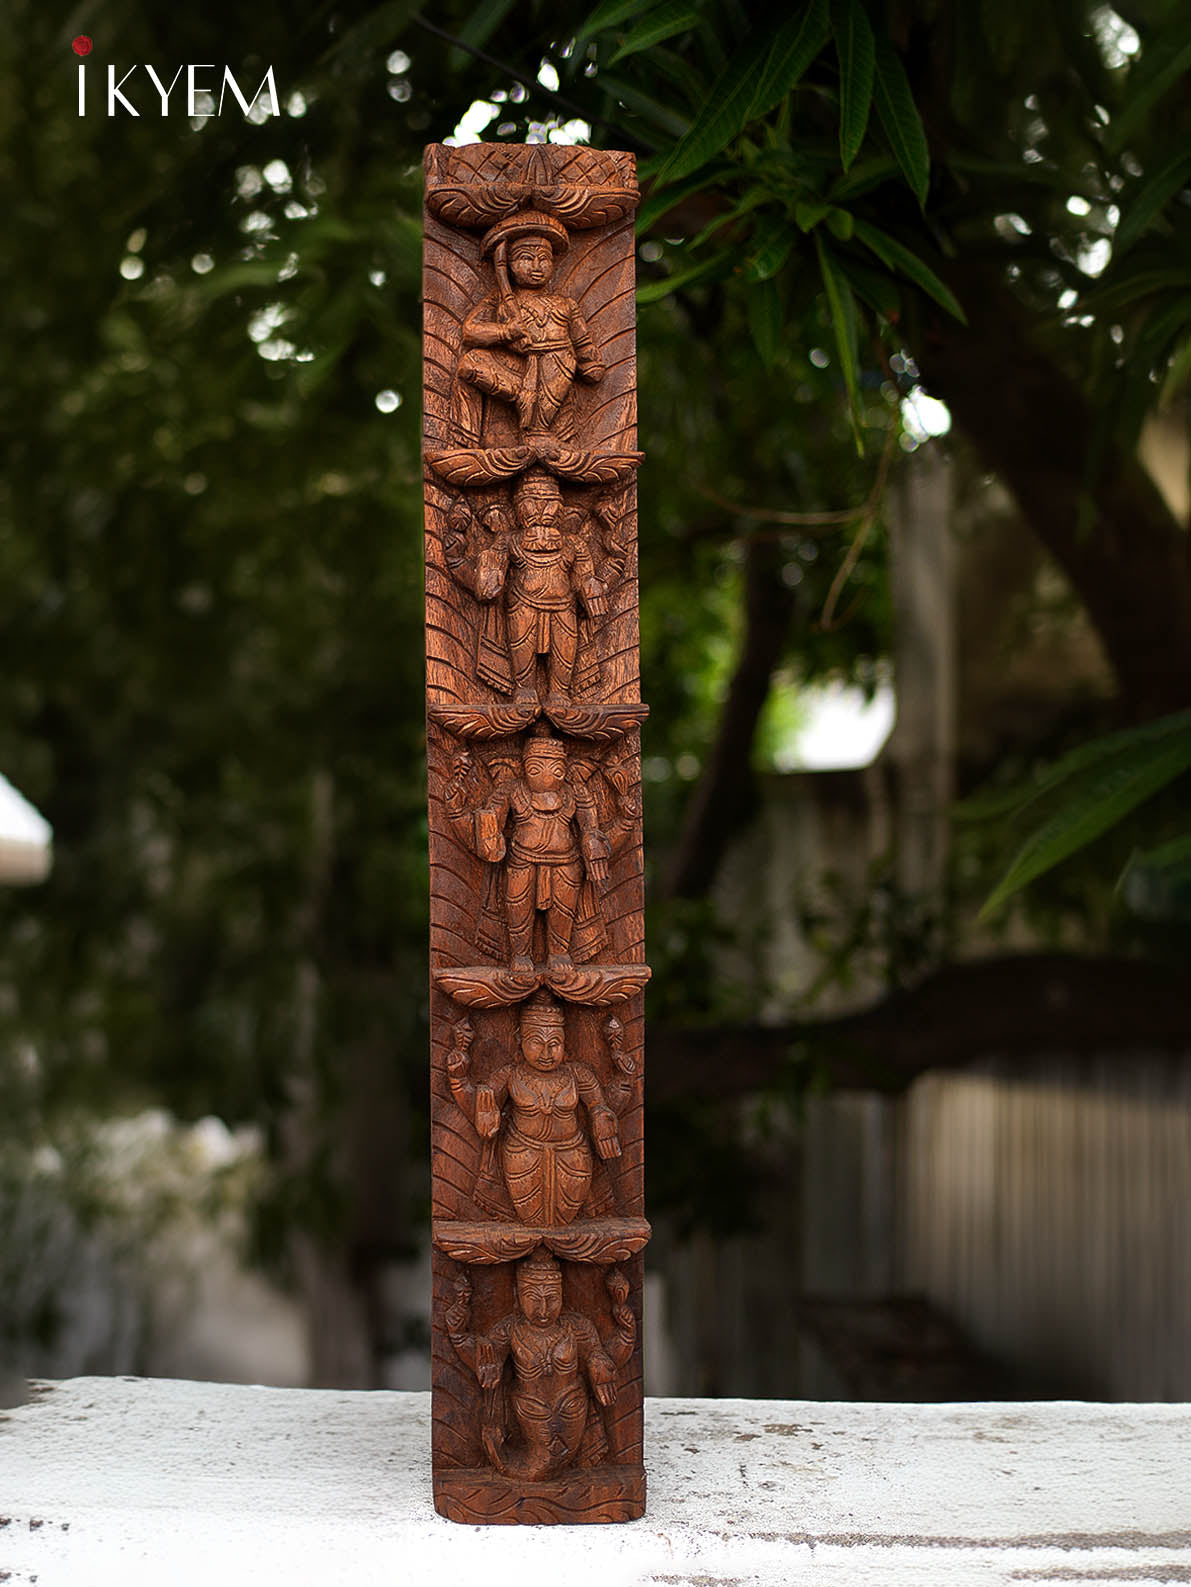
(914, 341)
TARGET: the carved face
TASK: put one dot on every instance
(541, 523)
(542, 1043)
(531, 261)
(544, 773)
(539, 1296)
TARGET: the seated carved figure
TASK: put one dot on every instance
(539, 1367)
(529, 1110)
(524, 344)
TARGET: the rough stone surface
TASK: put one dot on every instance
(135, 1481)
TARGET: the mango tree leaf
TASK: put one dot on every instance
(769, 247)
(842, 307)
(863, 178)
(478, 28)
(876, 288)
(1083, 758)
(762, 72)
(857, 54)
(1142, 283)
(725, 115)
(610, 14)
(808, 212)
(373, 31)
(1173, 856)
(657, 204)
(646, 105)
(676, 16)
(1163, 63)
(1119, 787)
(765, 320)
(898, 257)
(795, 46)
(900, 119)
(1151, 198)
(653, 290)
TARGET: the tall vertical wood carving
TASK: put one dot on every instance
(533, 731)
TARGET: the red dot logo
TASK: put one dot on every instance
(81, 45)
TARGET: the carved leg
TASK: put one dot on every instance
(566, 881)
(564, 646)
(519, 911)
(479, 372)
(522, 626)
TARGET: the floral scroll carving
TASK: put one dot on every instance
(537, 961)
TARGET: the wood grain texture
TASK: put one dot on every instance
(533, 750)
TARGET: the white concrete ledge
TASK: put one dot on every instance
(131, 1482)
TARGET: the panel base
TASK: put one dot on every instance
(482, 1497)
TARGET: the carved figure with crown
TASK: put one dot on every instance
(540, 1367)
(537, 577)
(524, 344)
(539, 1116)
(541, 825)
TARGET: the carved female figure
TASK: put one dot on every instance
(543, 1363)
(530, 1110)
(525, 344)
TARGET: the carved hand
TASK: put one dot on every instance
(455, 793)
(487, 1366)
(606, 1393)
(459, 1311)
(607, 1141)
(596, 850)
(617, 1286)
(455, 540)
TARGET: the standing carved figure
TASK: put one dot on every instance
(526, 345)
(528, 1112)
(555, 853)
(547, 576)
(539, 1367)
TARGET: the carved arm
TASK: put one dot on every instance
(597, 850)
(624, 1336)
(603, 1119)
(590, 590)
(481, 330)
(457, 1318)
(619, 1090)
(589, 365)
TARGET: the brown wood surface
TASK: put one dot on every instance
(537, 952)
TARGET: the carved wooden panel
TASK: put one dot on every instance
(533, 732)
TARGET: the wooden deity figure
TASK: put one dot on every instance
(528, 1112)
(547, 578)
(525, 344)
(539, 1368)
(545, 828)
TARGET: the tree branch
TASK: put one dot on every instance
(1017, 1007)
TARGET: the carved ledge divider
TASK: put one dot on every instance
(533, 745)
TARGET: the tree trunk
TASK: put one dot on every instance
(1029, 421)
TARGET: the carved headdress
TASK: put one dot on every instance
(534, 487)
(540, 1265)
(542, 1009)
(525, 223)
(542, 744)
